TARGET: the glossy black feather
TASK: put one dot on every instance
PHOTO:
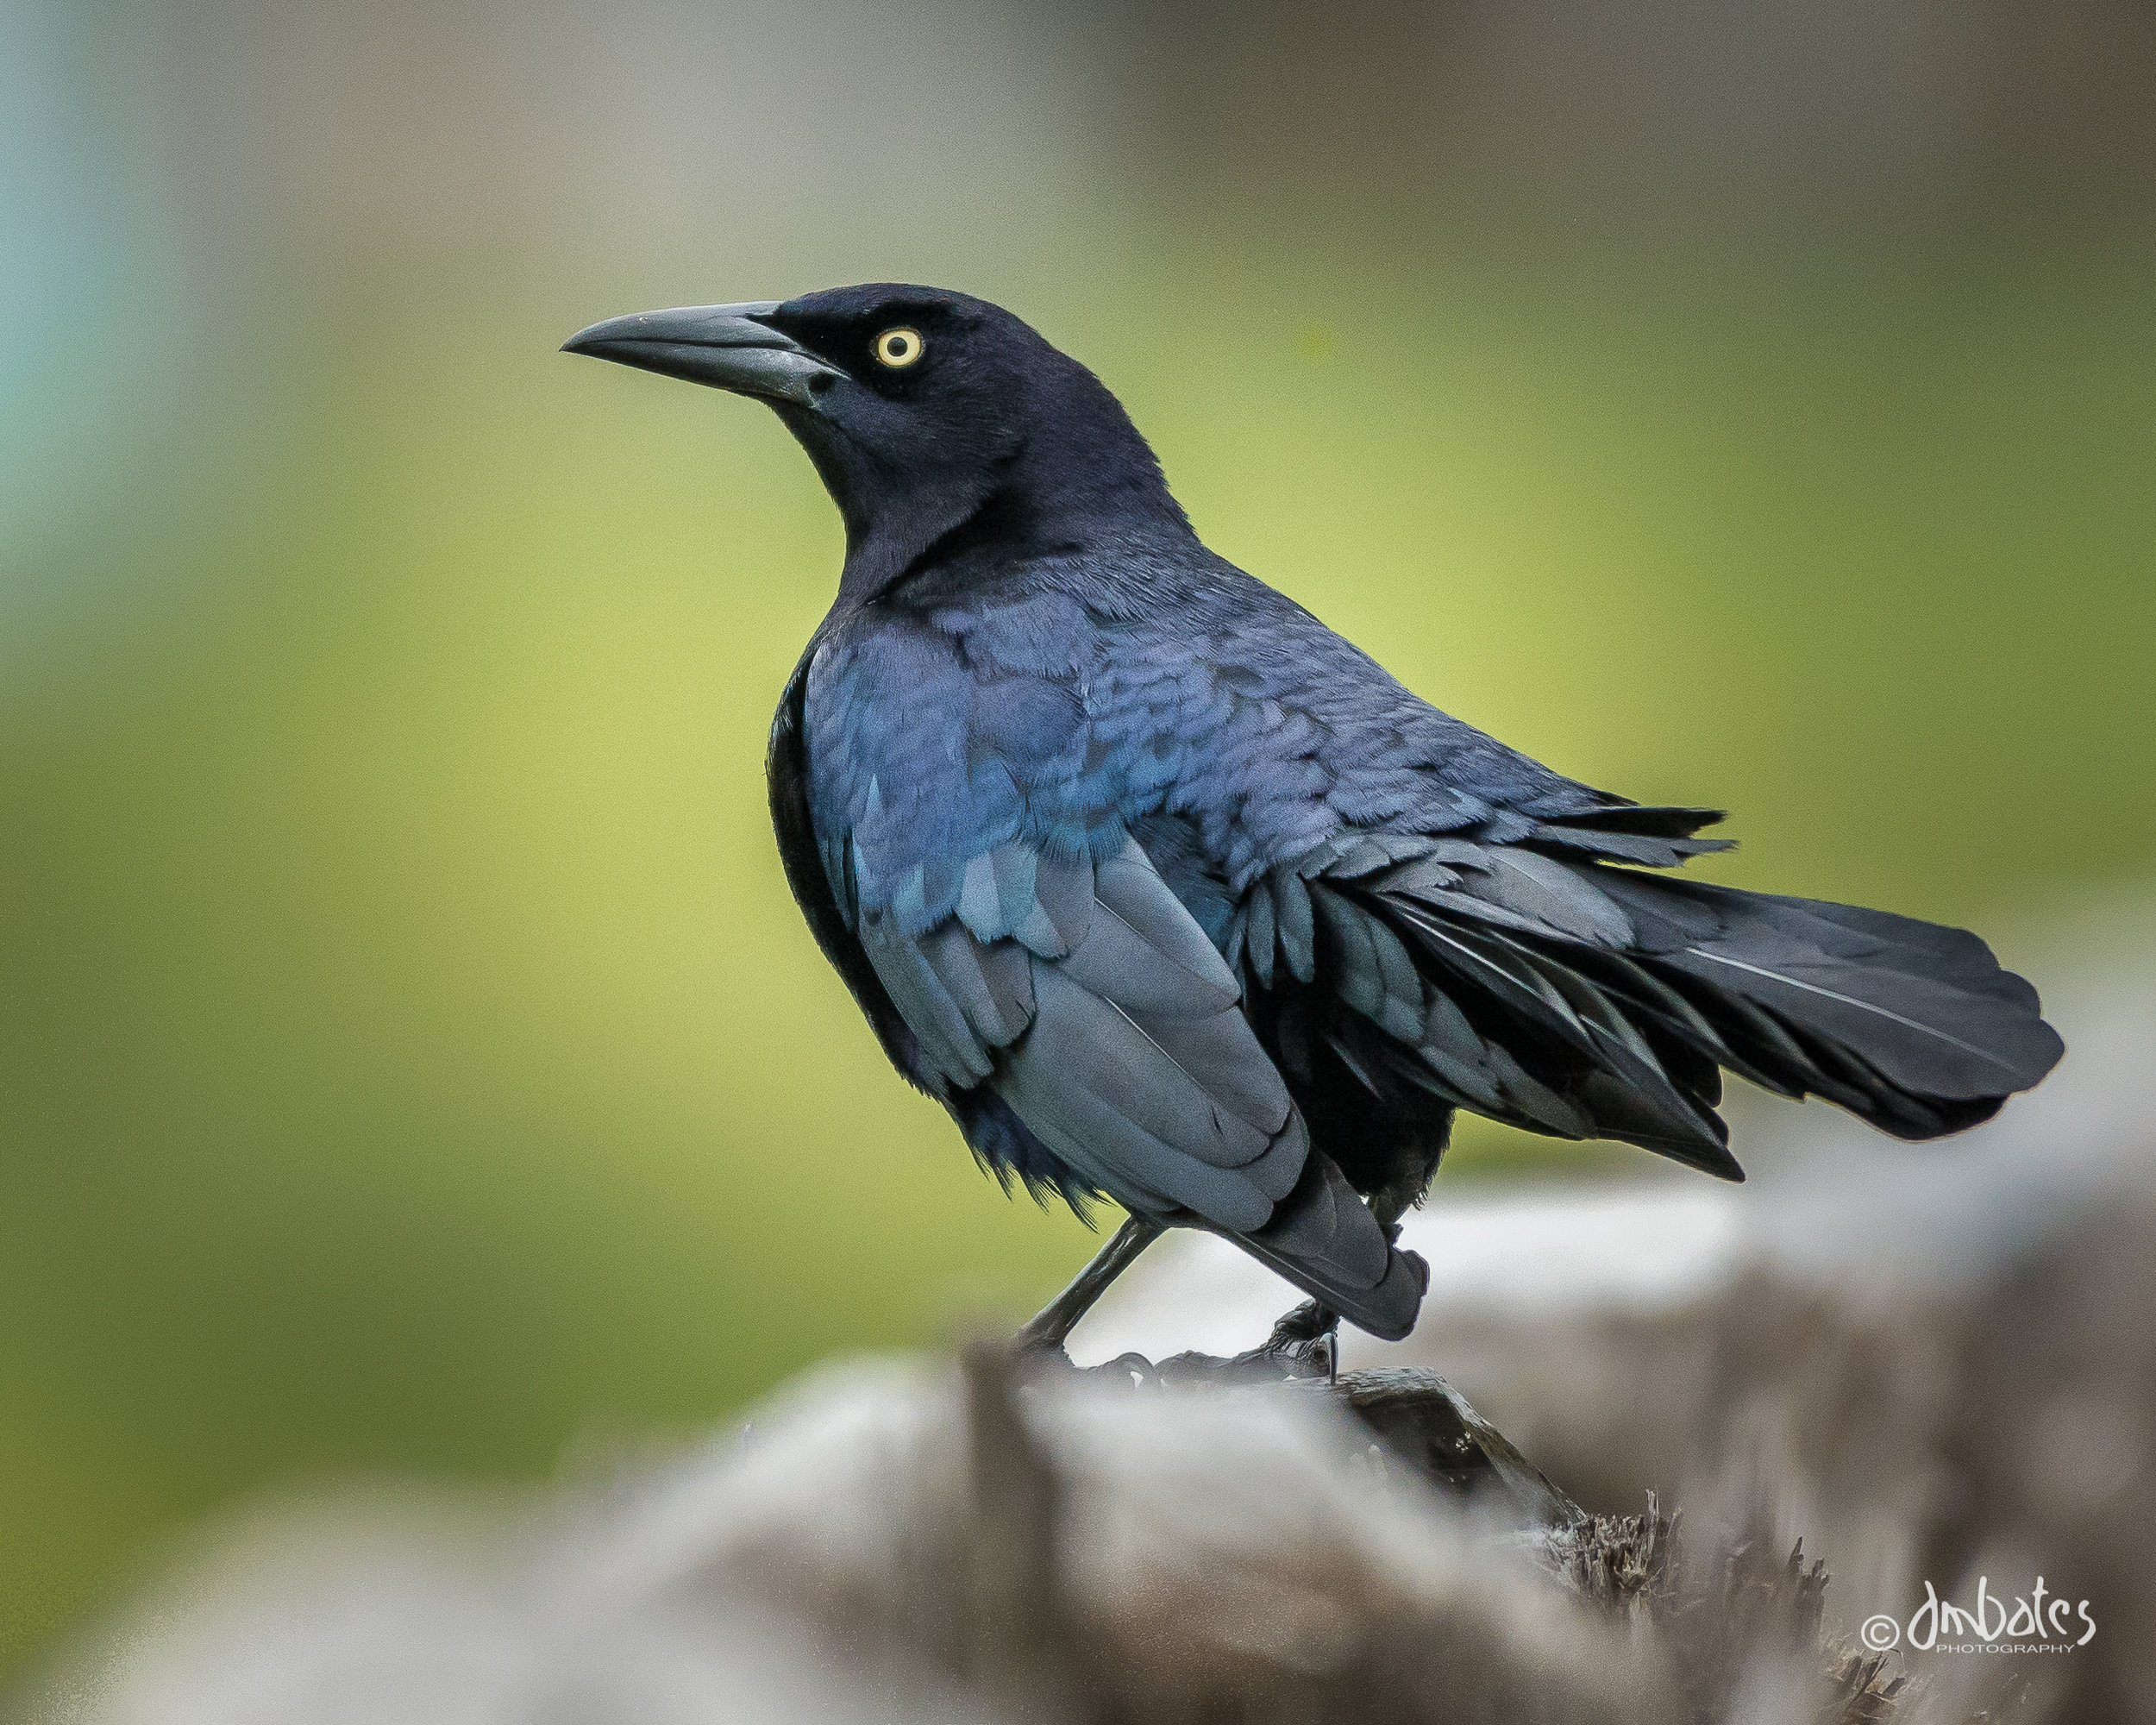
(1170, 894)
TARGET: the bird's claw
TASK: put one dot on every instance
(1305, 1343)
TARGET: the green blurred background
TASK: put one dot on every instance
(409, 1058)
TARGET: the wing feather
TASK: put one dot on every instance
(1101, 1014)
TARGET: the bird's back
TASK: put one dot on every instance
(1195, 689)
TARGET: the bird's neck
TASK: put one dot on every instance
(1019, 514)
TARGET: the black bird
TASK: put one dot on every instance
(1171, 895)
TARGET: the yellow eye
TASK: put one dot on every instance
(897, 348)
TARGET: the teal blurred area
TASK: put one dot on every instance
(410, 1057)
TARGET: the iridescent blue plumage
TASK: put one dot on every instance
(1170, 893)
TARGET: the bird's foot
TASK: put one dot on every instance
(1306, 1343)
(1303, 1347)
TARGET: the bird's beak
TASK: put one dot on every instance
(727, 347)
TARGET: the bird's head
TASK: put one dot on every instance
(925, 412)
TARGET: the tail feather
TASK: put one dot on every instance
(1910, 1025)
(1576, 997)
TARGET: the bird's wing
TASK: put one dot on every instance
(1033, 951)
(1109, 1025)
(1025, 937)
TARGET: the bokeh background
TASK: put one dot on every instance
(409, 1058)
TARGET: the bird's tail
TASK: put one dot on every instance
(1573, 995)
(1910, 1025)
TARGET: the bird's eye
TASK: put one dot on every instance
(897, 348)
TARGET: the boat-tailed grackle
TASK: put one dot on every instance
(1171, 894)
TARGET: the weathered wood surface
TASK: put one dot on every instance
(994, 1539)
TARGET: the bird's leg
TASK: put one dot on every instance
(1051, 1325)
